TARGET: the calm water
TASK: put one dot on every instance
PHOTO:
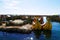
(54, 34)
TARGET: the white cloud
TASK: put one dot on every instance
(19, 7)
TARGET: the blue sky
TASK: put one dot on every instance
(38, 7)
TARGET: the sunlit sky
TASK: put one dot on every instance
(30, 7)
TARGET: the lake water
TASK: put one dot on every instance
(54, 34)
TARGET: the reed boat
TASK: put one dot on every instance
(45, 26)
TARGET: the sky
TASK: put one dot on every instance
(30, 7)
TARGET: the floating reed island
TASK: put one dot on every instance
(17, 29)
(22, 26)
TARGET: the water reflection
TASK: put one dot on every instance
(37, 33)
(47, 34)
(42, 35)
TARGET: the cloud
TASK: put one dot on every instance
(24, 7)
(9, 6)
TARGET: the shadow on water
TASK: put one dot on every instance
(37, 33)
(47, 34)
(42, 35)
